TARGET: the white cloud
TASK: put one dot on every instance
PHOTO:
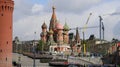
(22, 9)
(25, 27)
(74, 6)
(37, 8)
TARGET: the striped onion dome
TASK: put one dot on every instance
(44, 25)
(59, 26)
(51, 32)
(66, 27)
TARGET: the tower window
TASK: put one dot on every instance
(7, 42)
(5, 7)
(2, 14)
(8, 7)
(1, 50)
(6, 58)
(2, 8)
(10, 27)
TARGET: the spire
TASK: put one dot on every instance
(44, 25)
(77, 38)
(53, 20)
(53, 15)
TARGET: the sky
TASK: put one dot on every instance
(29, 15)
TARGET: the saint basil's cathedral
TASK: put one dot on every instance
(57, 36)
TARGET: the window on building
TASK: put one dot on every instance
(2, 8)
(8, 7)
(5, 7)
(6, 58)
(10, 27)
(2, 14)
(0, 50)
(7, 42)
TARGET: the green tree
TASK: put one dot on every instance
(40, 46)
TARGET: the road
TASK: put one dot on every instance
(28, 62)
(95, 60)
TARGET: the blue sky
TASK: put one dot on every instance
(39, 1)
(30, 14)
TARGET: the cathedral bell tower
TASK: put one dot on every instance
(53, 20)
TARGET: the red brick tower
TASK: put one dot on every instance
(6, 16)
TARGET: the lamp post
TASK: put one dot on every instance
(103, 29)
(34, 51)
(33, 54)
(18, 49)
(100, 26)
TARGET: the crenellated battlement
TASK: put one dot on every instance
(6, 22)
(6, 5)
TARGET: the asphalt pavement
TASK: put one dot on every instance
(27, 62)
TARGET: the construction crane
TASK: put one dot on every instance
(85, 26)
(84, 45)
(101, 27)
(84, 29)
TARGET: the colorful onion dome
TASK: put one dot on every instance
(43, 34)
(64, 33)
(50, 32)
(66, 28)
(59, 26)
(44, 25)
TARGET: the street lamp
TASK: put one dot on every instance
(18, 50)
(34, 51)
(100, 26)
(103, 29)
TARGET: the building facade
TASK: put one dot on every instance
(6, 19)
